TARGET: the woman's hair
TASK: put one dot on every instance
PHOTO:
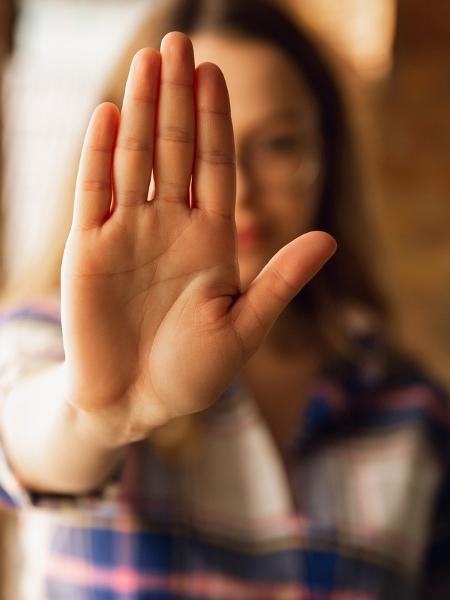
(347, 279)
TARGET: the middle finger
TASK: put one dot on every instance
(175, 132)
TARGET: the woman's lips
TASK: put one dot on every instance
(249, 238)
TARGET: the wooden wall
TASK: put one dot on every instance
(404, 116)
(412, 113)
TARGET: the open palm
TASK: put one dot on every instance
(155, 324)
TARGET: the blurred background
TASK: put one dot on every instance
(396, 58)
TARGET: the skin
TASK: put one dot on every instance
(155, 321)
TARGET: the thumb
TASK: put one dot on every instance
(280, 280)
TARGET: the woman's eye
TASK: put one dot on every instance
(281, 144)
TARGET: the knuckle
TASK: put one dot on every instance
(171, 191)
(183, 85)
(175, 133)
(170, 198)
(98, 149)
(224, 215)
(131, 197)
(281, 288)
(214, 112)
(146, 100)
(94, 185)
(134, 144)
(215, 156)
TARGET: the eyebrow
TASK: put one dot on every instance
(291, 114)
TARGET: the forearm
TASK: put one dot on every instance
(50, 444)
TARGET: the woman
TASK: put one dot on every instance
(309, 428)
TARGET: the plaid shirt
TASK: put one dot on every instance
(361, 511)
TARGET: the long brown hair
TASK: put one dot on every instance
(348, 276)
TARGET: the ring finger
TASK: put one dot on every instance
(133, 155)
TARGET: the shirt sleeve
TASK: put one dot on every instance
(30, 340)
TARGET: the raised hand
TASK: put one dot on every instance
(154, 321)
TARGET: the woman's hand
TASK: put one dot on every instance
(154, 321)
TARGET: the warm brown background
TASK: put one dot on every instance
(412, 112)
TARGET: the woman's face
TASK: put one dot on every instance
(278, 146)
